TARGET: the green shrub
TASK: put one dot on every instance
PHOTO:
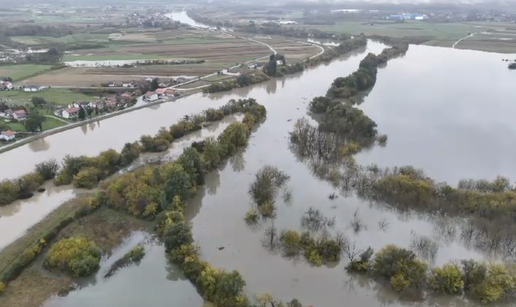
(9, 192)
(446, 279)
(252, 216)
(76, 255)
(87, 178)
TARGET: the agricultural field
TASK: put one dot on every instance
(22, 71)
(218, 50)
(67, 39)
(489, 36)
(500, 38)
(293, 51)
(56, 96)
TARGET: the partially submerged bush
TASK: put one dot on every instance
(76, 255)
(485, 283)
(252, 216)
(400, 267)
(446, 279)
(135, 255)
(48, 170)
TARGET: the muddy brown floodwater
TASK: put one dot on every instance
(448, 111)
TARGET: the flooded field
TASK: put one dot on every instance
(437, 117)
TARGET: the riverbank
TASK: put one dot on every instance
(69, 126)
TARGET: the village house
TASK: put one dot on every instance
(84, 104)
(170, 92)
(20, 115)
(150, 96)
(70, 112)
(6, 86)
(111, 103)
(160, 92)
(127, 95)
(7, 135)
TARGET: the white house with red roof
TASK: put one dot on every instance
(7, 135)
(70, 112)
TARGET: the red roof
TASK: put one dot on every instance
(72, 110)
(170, 91)
(20, 112)
(161, 91)
(149, 93)
(8, 133)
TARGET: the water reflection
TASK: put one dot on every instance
(39, 145)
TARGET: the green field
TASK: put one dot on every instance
(22, 71)
(74, 38)
(120, 57)
(217, 78)
(49, 123)
(56, 96)
(437, 31)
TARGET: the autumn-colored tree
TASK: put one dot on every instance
(76, 255)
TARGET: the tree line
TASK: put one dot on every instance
(86, 172)
(365, 77)
(242, 80)
(406, 273)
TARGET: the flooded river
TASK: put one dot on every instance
(437, 115)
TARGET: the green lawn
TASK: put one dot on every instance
(49, 123)
(22, 71)
(56, 96)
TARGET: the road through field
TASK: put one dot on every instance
(461, 39)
